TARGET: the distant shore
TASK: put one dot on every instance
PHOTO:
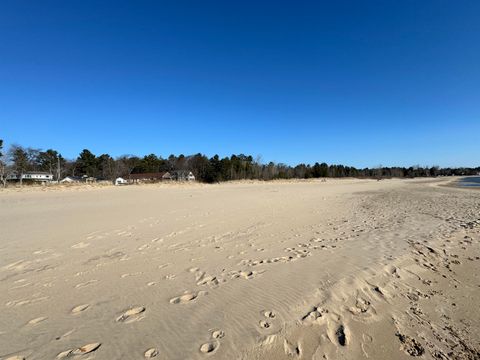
(446, 181)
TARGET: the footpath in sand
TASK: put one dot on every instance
(346, 269)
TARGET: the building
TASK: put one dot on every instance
(182, 175)
(149, 177)
(76, 179)
(71, 179)
(120, 181)
(32, 176)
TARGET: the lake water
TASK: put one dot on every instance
(470, 181)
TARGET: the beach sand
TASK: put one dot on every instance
(343, 269)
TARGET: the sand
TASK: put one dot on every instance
(343, 269)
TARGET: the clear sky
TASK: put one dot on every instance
(361, 83)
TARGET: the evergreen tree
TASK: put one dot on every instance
(86, 163)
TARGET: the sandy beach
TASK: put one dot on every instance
(343, 269)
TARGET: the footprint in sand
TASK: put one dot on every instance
(341, 336)
(361, 306)
(218, 334)
(85, 349)
(132, 314)
(291, 350)
(185, 298)
(264, 324)
(209, 347)
(78, 309)
(208, 280)
(314, 314)
(269, 314)
(151, 353)
(410, 345)
(244, 274)
(37, 320)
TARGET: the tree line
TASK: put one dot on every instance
(19, 160)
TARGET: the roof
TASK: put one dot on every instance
(38, 173)
(34, 173)
(182, 172)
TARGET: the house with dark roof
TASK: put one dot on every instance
(33, 176)
(182, 175)
(149, 177)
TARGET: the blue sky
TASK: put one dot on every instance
(361, 83)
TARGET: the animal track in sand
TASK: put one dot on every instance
(37, 320)
(80, 308)
(151, 353)
(85, 349)
(186, 298)
(132, 314)
(209, 347)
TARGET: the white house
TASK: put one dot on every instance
(71, 179)
(36, 176)
(120, 181)
(182, 175)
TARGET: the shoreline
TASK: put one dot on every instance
(195, 184)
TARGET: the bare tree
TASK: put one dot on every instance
(20, 161)
(3, 165)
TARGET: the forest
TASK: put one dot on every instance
(18, 159)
